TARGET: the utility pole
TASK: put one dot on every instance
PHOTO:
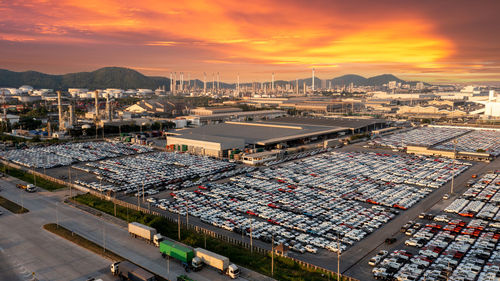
(34, 176)
(453, 169)
(179, 224)
(69, 179)
(57, 215)
(272, 255)
(251, 242)
(143, 192)
(338, 257)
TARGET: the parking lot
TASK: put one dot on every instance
(154, 172)
(309, 203)
(477, 140)
(424, 136)
(52, 156)
(459, 243)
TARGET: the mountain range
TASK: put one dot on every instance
(125, 78)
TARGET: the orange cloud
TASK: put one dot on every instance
(264, 32)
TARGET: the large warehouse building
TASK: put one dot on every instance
(216, 140)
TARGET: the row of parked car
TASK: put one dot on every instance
(477, 140)
(155, 171)
(481, 200)
(57, 155)
(453, 251)
(296, 156)
(447, 247)
(422, 136)
(312, 202)
(302, 219)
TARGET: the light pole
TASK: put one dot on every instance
(453, 169)
(69, 179)
(143, 200)
(338, 257)
(57, 214)
(251, 242)
(272, 255)
(179, 224)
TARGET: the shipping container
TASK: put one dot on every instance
(177, 251)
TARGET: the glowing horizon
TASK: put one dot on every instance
(254, 39)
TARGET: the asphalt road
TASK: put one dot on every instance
(51, 259)
(27, 251)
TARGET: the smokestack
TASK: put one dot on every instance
(204, 83)
(171, 83)
(181, 86)
(272, 82)
(238, 91)
(297, 86)
(71, 115)
(312, 80)
(59, 109)
(96, 97)
(213, 82)
(175, 82)
(218, 81)
(108, 108)
(304, 88)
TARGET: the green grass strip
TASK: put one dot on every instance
(11, 206)
(284, 268)
(27, 177)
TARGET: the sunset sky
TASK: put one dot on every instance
(435, 41)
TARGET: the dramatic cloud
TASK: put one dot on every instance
(436, 40)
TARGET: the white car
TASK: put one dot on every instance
(311, 249)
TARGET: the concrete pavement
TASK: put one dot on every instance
(46, 207)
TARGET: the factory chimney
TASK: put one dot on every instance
(312, 88)
(238, 90)
(71, 115)
(218, 82)
(96, 97)
(108, 108)
(272, 83)
(204, 83)
(171, 83)
(59, 109)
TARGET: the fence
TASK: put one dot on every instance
(196, 228)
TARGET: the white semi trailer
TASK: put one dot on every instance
(202, 256)
(148, 233)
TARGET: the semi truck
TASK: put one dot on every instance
(177, 251)
(202, 256)
(27, 187)
(126, 270)
(143, 231)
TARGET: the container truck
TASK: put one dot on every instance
(214, 260)
(129, 271)
(177, 251)
(148, 233)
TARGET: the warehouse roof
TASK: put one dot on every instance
(257, 132)
(326, 121)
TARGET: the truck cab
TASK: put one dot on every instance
(30, 188)
(233, 271)
(197, 263)
(157, 238)
(115, 268)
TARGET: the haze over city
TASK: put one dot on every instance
(433, 41)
